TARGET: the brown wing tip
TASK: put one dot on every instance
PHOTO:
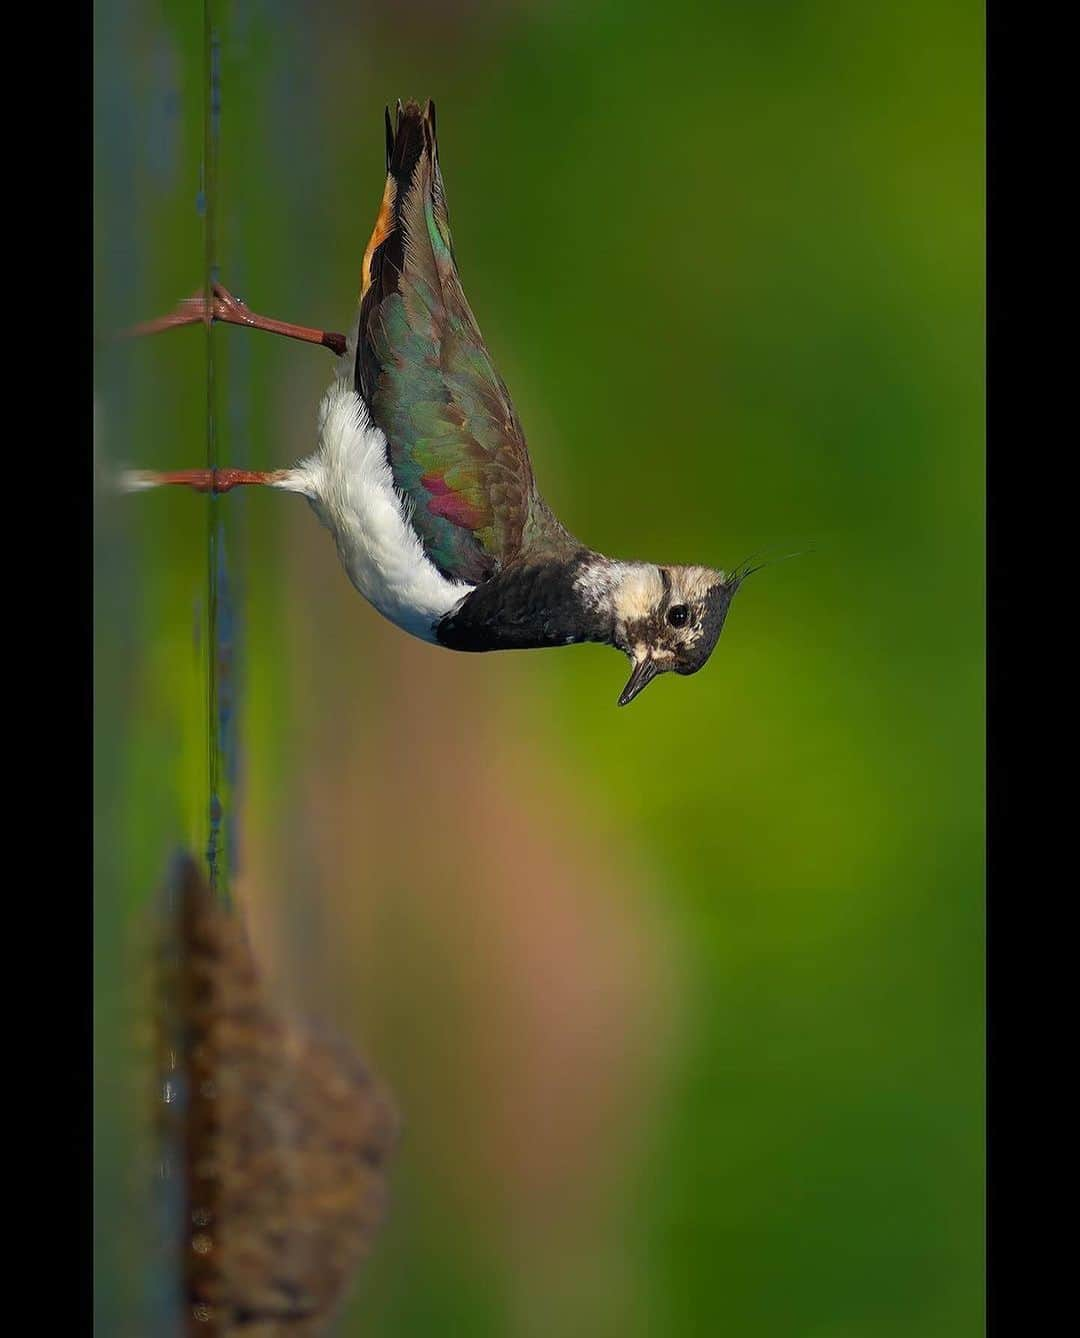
(412, 135)
(411, 110)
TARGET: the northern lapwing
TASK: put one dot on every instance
(422, 474)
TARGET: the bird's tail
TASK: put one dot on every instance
(410, 143)
(412, 233)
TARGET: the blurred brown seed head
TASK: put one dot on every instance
(281, 1133)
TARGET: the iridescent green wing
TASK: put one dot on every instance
(456, 447)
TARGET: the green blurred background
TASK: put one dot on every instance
(683, 1004)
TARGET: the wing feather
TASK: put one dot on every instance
(456, 446)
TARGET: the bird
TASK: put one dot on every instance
(422, 474)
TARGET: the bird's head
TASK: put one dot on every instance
(669, 618)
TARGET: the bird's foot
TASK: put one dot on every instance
(224, 306)
(189, 311)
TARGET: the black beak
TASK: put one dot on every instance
(642, 675)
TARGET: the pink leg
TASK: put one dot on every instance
(202, 480)
(224, 307)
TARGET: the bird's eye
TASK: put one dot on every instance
(678, 615)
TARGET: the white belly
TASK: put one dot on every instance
(351, 488)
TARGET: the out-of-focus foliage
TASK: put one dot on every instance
(682, 1003)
